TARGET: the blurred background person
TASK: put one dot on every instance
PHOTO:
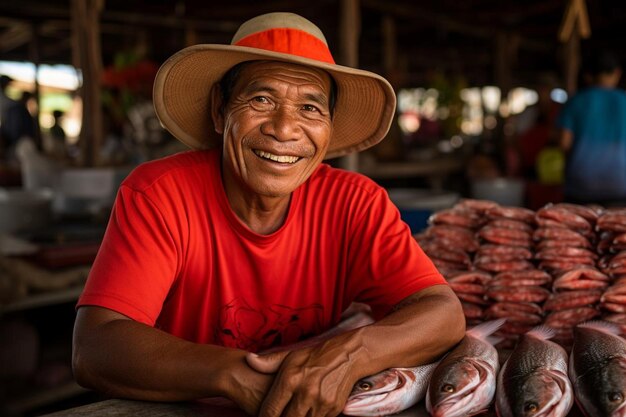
(15, 121)
(593, 134)
(55, 146)
(538, 131)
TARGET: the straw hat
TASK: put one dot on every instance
(365, 101)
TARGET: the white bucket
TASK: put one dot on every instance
(504, 191)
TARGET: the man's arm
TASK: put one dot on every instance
(316, 381)
(123, 358)
(566, 140)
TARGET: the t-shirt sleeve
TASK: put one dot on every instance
(137, 261)
(386, 262)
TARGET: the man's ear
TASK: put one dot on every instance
(217, 112)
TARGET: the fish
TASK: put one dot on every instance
(464, 382)
(534, 380)
(597, 369)
(389, 392)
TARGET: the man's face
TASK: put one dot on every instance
(277, 127)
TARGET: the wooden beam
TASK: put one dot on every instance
(571, 65)
(58, 47)
(442, 21)
(139, 19)
(390, 50)
(502, 63)
(88, 57)
(47, 12)
(18, 34)
(349, 31)
(575, 19)
(34, 54)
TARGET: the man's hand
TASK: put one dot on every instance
(315, 381)
(248, 388)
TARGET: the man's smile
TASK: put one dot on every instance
(284, 159)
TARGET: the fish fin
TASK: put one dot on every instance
(542, 332)
(485, 329)
(603, 326)
(494, 340)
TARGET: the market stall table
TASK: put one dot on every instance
(215, 407)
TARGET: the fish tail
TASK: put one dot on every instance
(542, 332)
(485, 329)
(603, 326)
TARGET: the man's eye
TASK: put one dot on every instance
(309, 107)
(261, 99)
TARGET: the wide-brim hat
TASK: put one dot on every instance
(365, 102)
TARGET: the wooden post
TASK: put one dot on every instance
(35, 57)
(349, 32)
(87, 56)
(390, 50)
(505, 54)
(574, 27)
(391, 148)
(571, 65)
(502, 63)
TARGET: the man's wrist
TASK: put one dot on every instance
(358, 345)
(223, 378)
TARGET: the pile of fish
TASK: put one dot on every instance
(561, 265)
(537, 379)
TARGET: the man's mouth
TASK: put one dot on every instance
(283, 159)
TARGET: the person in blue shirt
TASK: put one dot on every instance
(593, 135)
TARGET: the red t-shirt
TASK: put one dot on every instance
(176, 257)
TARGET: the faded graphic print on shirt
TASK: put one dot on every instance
(257, 328)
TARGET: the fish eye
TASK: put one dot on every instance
(615, 397)
(365, 386)
(531, 407)
(448, 388)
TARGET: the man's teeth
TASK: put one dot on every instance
(277, 158)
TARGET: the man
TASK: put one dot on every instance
(15, 121)
(593, 134)
(253, 244)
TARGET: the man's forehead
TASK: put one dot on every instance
(276, 71)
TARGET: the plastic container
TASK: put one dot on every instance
(25, 210)
(417, 205)
(504, 191)
(88, 190)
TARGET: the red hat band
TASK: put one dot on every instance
(289, 41)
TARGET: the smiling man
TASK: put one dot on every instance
(250, 242)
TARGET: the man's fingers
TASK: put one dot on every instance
(267, 364)
(275, 402)
(296, 408)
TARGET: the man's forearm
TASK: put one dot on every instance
(566, 140)
(124, 358)
(421, 329)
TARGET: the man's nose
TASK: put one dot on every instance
(282, 124)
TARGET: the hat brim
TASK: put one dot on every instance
(363, 113)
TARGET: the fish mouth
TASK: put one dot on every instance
(620, 411)
(557, 403)
(273, 157)
(469, 396)
(365, 400)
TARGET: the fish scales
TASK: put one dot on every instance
(533, 380)
(463, 384)
(563, 216)
(598, 369)
(583, 211)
